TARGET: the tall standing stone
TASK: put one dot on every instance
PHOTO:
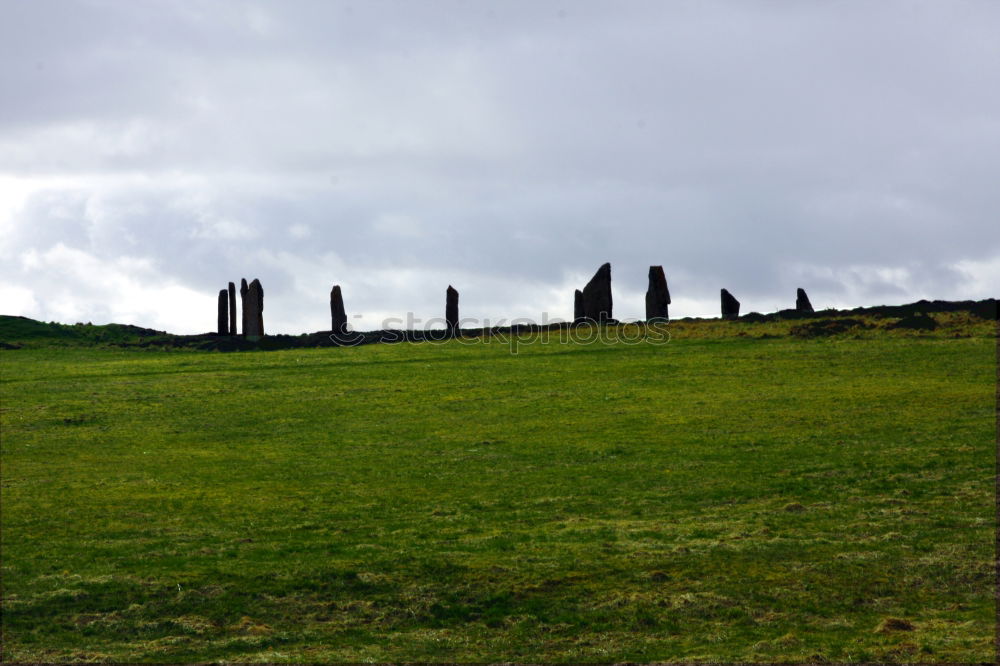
(577, 305)
(260, 308)
(338, 316)
(451, 309)
(730, 306)
(597, 295)
(802, 303)
(255, 310)
(243, 304)
(232, 309)
(223, 312)
(657, 295)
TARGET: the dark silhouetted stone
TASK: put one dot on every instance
(338, 316)
(223, 312)
(597, 295)
(657, 295)
(232, 309)
(577, 305)
(451, 309)
(802, 303)
(730, 306)
(255, 310)
(243, 304)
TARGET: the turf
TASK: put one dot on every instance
(738, 494)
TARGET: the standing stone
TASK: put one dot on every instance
(232, 309)
(657, 295)
(802, 303)
(260, 309)
(255, 310)
(243, 304)
(597, 295)
(451, 309)
(338, 316)
(730, 306)
(577, 305)
(223, 312)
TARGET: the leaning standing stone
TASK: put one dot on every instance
(730, 306)
(657, 295)
(578, 306)
(338, 316)
(223, 312)
(597, 295)
(802, 303)
(451, 309)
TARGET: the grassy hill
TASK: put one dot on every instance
(16, 332)
(755, 490)
(960, 317)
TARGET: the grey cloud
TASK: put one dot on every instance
(509, 144)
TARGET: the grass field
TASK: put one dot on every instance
(736, 494)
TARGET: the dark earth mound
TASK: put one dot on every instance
(828, 327)
(917, 322)
(985, 309)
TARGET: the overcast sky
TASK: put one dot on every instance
(150, 152)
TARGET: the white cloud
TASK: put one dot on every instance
(980, 278)
(70, 285)
(20, 301)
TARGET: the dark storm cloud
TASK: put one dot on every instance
(509, 148)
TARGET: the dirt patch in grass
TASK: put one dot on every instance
(248, 625)
(891, 624)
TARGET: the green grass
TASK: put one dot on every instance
(721, 497)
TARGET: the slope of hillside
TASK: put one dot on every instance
(954, 317)
(795, 498)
